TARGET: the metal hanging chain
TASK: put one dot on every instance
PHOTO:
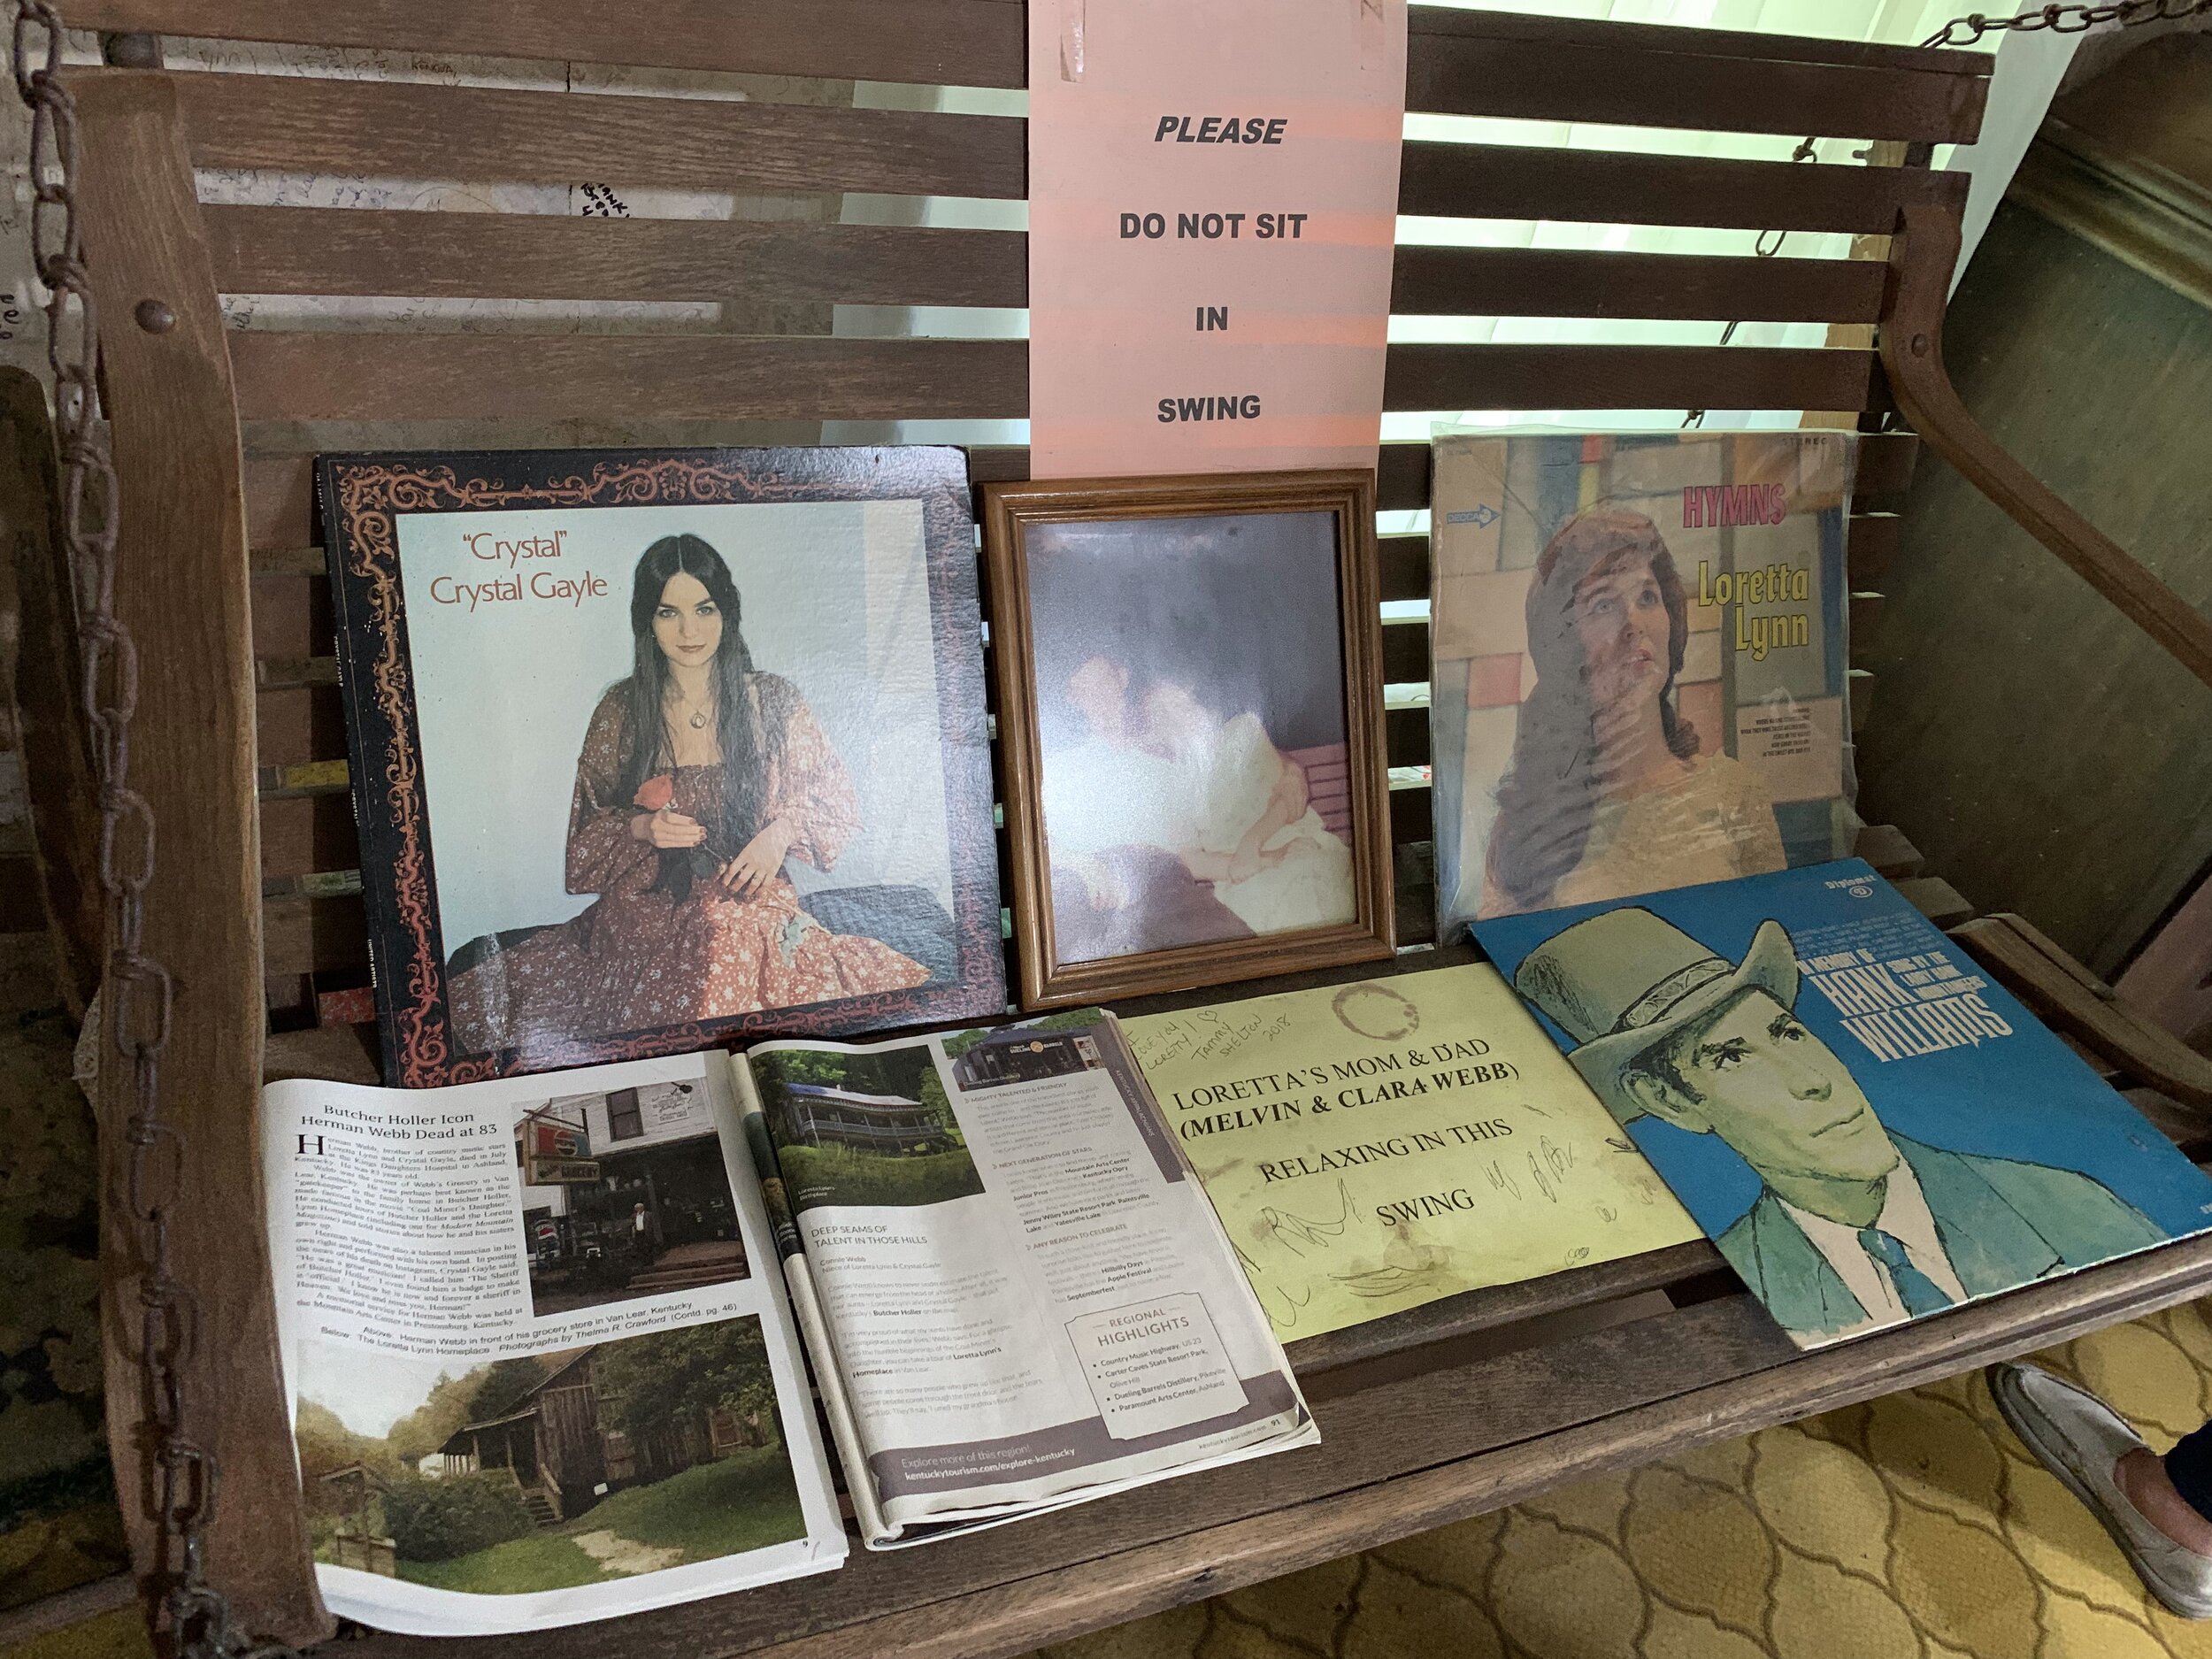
(136, 1006)
(2066, 19)
(2058, 20)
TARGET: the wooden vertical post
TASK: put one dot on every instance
(181, 588)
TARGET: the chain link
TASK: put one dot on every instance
(2061, 19)
(2066, 19)
(140, 993)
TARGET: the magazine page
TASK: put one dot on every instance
(1025, 1291)
(535, 1332)
(1639, 657)
(1870, 1128)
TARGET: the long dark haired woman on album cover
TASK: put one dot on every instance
(1609, 793)
(700, 776)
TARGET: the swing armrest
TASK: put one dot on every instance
(2073, 1000)
(1921, 259)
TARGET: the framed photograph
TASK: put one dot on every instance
(656, 748)
(1190, 674)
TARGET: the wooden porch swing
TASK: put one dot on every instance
(1426, 1417)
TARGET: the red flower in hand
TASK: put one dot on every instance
(655, 793)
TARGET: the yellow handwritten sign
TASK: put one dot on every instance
(1376, 1146)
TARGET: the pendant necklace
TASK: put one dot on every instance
(697, 720)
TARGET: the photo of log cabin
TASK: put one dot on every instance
(864, 1129)
(547, 1470)
(624, 1195)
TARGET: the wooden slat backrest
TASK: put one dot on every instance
(1462, 64)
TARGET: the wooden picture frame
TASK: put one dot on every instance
(1019, 516)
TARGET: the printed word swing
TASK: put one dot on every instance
(236, 747)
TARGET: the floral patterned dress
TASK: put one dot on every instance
(646, 956)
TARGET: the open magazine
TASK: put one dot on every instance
(544, 1335)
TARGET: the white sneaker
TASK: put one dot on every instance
(2078, 1438)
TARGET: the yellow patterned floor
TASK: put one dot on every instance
(1915, 1527)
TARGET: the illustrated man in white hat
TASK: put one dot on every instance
(1854, 1226)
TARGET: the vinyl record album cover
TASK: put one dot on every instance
(1639, 657)
(1868, 1127)
(650, 748)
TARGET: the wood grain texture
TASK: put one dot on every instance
(2076, 1002)
(39, 677)
(280, 486)
(1885, 465)
(314, 935)
(1888, 850)
(513, 255)
(2170, 982)
(1936, 898)
(979, 42)
(1612, 186)
(305, 835)
(417, 130)
(1496, 1306)
(1500, 64)
(2137, 214)
(395, 376)
(1424, 377)
(1368, 1435)
(2124, 162)
(944, 42)
(472, 256)
(1580, 282)
(181, 586)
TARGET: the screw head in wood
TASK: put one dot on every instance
(1920, 345)
(155, 317)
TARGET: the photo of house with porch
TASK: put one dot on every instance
(818, 1113)
(565, 1453)
(544, 1471)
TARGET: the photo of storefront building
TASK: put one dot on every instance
(625, 1195)
(1026, 1056)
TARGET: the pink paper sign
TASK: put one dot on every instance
(1213, 190)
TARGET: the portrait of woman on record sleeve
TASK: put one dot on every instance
(1638, 663)
(673, 761)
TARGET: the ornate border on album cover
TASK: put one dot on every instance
(362, 497)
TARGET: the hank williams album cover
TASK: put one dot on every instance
(1867, 1126)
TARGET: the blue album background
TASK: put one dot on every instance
(2025, 1096)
